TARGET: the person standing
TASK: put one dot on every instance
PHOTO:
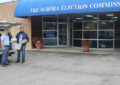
(21, 36)
(5, 43)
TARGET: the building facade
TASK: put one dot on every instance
(59, 27)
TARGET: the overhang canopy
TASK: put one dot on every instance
(50, 7)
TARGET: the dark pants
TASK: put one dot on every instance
(5, 55)
(23, 53)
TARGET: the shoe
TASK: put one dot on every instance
(23, 62)
(7, 64)
(17, 61)
(4, 65)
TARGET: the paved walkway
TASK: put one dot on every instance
(45, 68)
(78, 50)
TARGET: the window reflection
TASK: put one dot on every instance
(90, 25)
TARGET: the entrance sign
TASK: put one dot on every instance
(51, 7)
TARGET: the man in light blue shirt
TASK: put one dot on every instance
(5, 43)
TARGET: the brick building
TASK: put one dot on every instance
(7, 13)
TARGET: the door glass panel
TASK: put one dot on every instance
(62, 34)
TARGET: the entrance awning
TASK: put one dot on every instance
(50, 7)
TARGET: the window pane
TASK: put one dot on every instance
(77, 43)
(49, 19)
(117, 35)
(106, 35)
(62, 19)
(77, 34)
(49, 34)
(77, 18)
(90, 35)
(117, 25)
(117, 43)
(117, 16)
(90, 17)
(94, 44)
(106, 44)
(106, 16)
(49, 26)
(50, 42)
(77, 26)
(90, 25)
(106, 25)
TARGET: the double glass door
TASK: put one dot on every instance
(62, 34)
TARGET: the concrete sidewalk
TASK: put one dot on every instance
(47, 68)
(79, 51)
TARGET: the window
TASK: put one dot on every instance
(90, 35)
(105, 34)
(49, 26)
(106, 25)
(49, 19)
(77, 25)
(91, 25)
(106, 44)
(50, 42)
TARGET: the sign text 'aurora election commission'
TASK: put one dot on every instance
(76, 7)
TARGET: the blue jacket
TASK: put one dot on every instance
(25, 36)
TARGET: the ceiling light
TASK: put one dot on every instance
(89, 15)
(110, 15)
(78, 18)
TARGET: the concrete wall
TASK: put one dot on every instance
(7, 13)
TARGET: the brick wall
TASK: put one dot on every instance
(7, 13)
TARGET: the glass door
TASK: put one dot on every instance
(63, 32)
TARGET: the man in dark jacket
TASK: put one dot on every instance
(21, 36)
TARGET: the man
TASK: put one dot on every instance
(5, 43)
(21, 36)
